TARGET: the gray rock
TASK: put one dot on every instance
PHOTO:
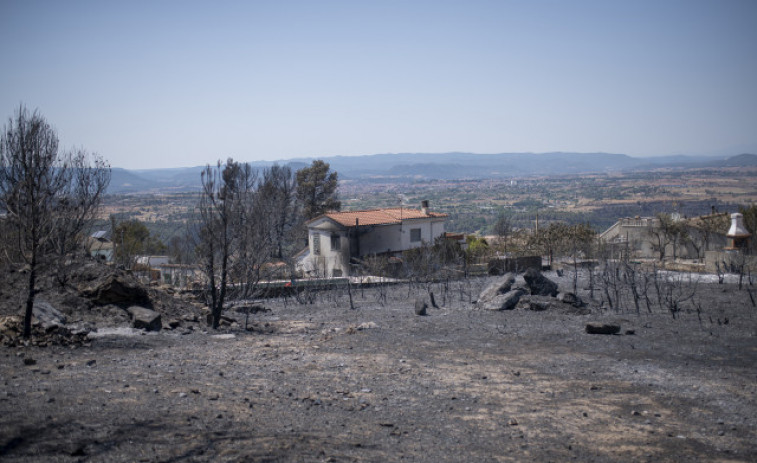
(48, 316)
(602, 328)
(144, 319)
(222, 321)
(501, 286)
(420, 307)
(538, 303)
(570, 298)
(250, 308)
(116, 289)
(538, 284)
(81, 328)
(506, 301)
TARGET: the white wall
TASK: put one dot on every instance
(396, 238)
(380, 239)
(376, 240)
(328, 260)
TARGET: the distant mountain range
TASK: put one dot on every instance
(443, 166)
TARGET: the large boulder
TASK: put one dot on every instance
(506, 301)
(538, 284)
(116, 289)
(144, 319)
(501, 286)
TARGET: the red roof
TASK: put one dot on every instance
(388, 216)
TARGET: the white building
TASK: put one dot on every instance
(337, 237)
(638, 237)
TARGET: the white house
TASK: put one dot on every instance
(337, 237)
(152, 261)
(99, 246)
(637, 236)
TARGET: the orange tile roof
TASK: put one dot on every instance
(387, 216)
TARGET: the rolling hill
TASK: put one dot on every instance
(448, 166)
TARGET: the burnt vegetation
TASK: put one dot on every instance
(465, 329)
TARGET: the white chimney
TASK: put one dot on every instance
(737, 230)
(424, 206)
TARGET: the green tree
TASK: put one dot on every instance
(317, 189)
(132, 238)
(750, 222)
(477, 248)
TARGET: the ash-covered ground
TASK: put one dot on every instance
(323, 382)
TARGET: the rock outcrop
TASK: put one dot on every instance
(116, 289)
(499, 287)
(538, 284)
(506, 301)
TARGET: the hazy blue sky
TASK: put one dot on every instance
(167, 84)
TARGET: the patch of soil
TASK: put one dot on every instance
(321, 382)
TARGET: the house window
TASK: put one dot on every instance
(335, 243)
(317, 244)
(415, 235)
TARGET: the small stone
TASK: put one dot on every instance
(512, 422)
(420, 307)
(29, 361)
(602, 328)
